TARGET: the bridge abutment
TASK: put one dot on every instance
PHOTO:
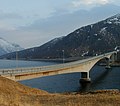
(85, 77)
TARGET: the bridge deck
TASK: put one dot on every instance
(44, 70)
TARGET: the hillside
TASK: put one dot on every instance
(89, 40)
(15, 94)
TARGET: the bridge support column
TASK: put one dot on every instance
(108, 66)
(114, 58)
(85, 77)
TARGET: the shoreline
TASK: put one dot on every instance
(111, 64)
(104, 91)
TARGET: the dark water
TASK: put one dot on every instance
(100, 77)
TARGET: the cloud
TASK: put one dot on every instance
(9, 21)
(69, 19)
(78, 3)
(59, 24)
(4, 26)
(4, 16)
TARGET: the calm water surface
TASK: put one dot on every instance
(14, 63)
(101, 78)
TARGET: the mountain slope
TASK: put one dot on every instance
(89, 40)
(6, 47)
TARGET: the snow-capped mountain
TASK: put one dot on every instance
(7, 47)
(90, 40)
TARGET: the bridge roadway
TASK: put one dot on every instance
(83, 66)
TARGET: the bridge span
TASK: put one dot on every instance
(84, 66)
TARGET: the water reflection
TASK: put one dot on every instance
(85, 87)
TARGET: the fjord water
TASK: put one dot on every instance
(15, 63)
(101, 78)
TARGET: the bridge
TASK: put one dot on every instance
(84, 66)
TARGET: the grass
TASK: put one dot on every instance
(82, 100)
(15, 94)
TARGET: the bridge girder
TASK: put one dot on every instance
(78, 66)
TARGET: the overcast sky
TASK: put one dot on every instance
(31, 23)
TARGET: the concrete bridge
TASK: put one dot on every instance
(83, 66)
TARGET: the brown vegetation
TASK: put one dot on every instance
(15, 94)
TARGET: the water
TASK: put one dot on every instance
(101, 78)
(110, 79)
(13, 63)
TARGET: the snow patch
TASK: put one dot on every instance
(114, 20)
(77, 32)
(103, 30)
(96, 34)
(91, 25)
(109, 22)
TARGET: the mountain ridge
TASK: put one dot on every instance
(90, 40)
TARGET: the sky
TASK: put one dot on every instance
(31, 23)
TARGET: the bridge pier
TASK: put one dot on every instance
(108, 66)
(114, 58)
(85, 77)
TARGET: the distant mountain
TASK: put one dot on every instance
(89, 40)
(7, 47)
